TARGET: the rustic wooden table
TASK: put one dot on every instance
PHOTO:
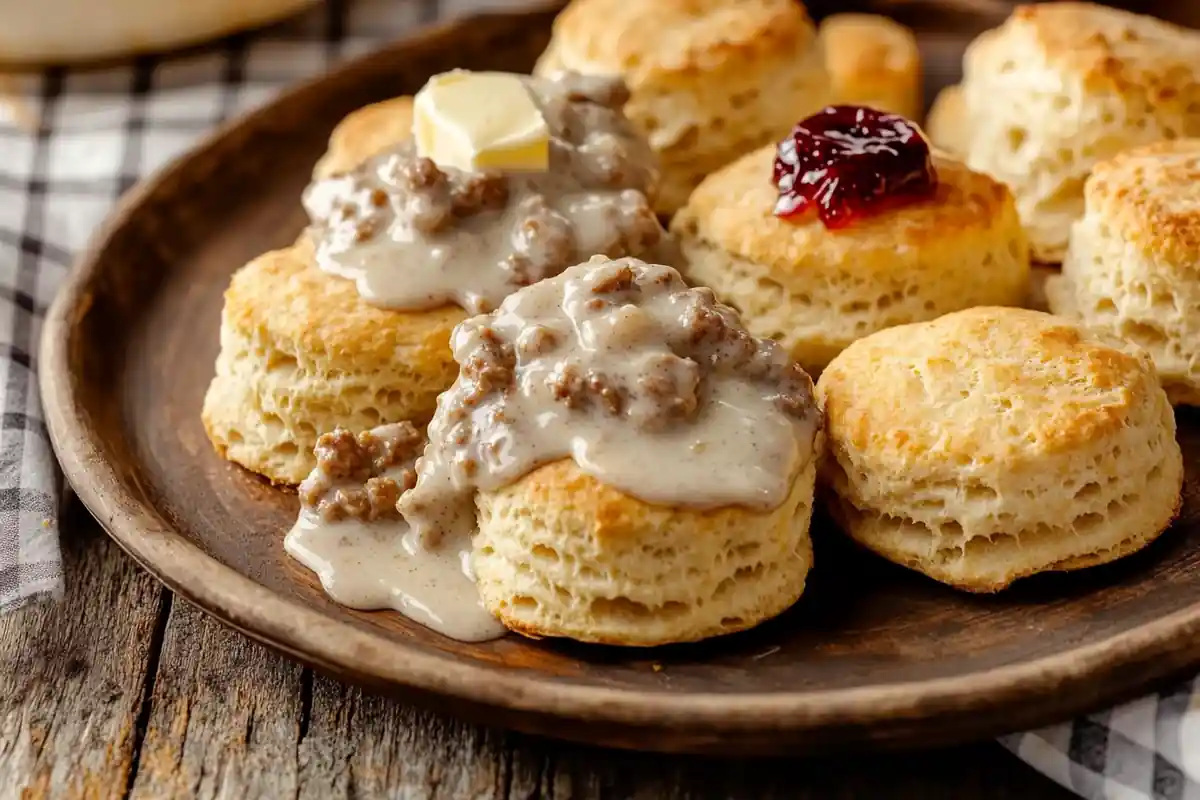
(124, 690)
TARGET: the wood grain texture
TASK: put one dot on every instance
(73, 673)
(97, 701)
(225, 716)
(872, 654)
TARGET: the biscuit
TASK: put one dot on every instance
(1130, 268)
(1062, 86)
(947, 123)
(872, 61)
(364, 133)
(302, 354)
(816, 291)
(708, 80)
(560, 554)
(992, 444)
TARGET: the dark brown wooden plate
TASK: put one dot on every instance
(871, 654)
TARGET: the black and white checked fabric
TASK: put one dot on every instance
(71, 142)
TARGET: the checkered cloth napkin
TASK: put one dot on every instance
(71, 142)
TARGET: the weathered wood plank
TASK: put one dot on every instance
(225, 716)
(359, 745)
(72, 674)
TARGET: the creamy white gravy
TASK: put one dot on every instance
(413, 235)
(650, 386)
(379, 565)
(350, 533)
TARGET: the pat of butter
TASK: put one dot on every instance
(480, 120)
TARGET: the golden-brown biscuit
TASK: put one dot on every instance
(947, 123)
(302, 354)
(709, 80)
(1130, 268)
(993, 444)
(1062, 86)
(816, 291)
(364, 133)
(560, 554)
(872, 61)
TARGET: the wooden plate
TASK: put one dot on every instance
(871, 654)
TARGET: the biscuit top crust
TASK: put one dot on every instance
(981, 386)
(652, 387)
(1104, 48)
(412, 234)
(868, 45)
(304, 313)
(733, 209)
(666, 41)
(364, 133)
(1151, 197)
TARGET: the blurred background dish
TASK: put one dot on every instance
(62, 31)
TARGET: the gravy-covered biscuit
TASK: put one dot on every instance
(872, 61)
(1130, 268)
(709, 80)
(995, 443)
(350, 328)
(1062, 86)
(630, 465)
(815, 290)
(302, 354)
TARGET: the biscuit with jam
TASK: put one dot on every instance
(816, 289)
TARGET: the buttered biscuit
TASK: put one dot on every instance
(994, 443)
(872, 61)
(815, 290)
(1062, 86)
(1131, 267)
(302, 354)
(709, 80)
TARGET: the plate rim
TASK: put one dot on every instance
(1010, 697)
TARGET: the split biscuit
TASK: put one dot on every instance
(1062, 86)
(996, 443)
(302, 354)
(872, 61)
(560, 554)
(1131, 267)
(709, 80)
(816, 291)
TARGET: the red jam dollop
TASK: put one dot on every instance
(851, 162)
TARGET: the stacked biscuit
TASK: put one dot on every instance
(964, 437)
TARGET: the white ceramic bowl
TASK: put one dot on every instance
(58, 31)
